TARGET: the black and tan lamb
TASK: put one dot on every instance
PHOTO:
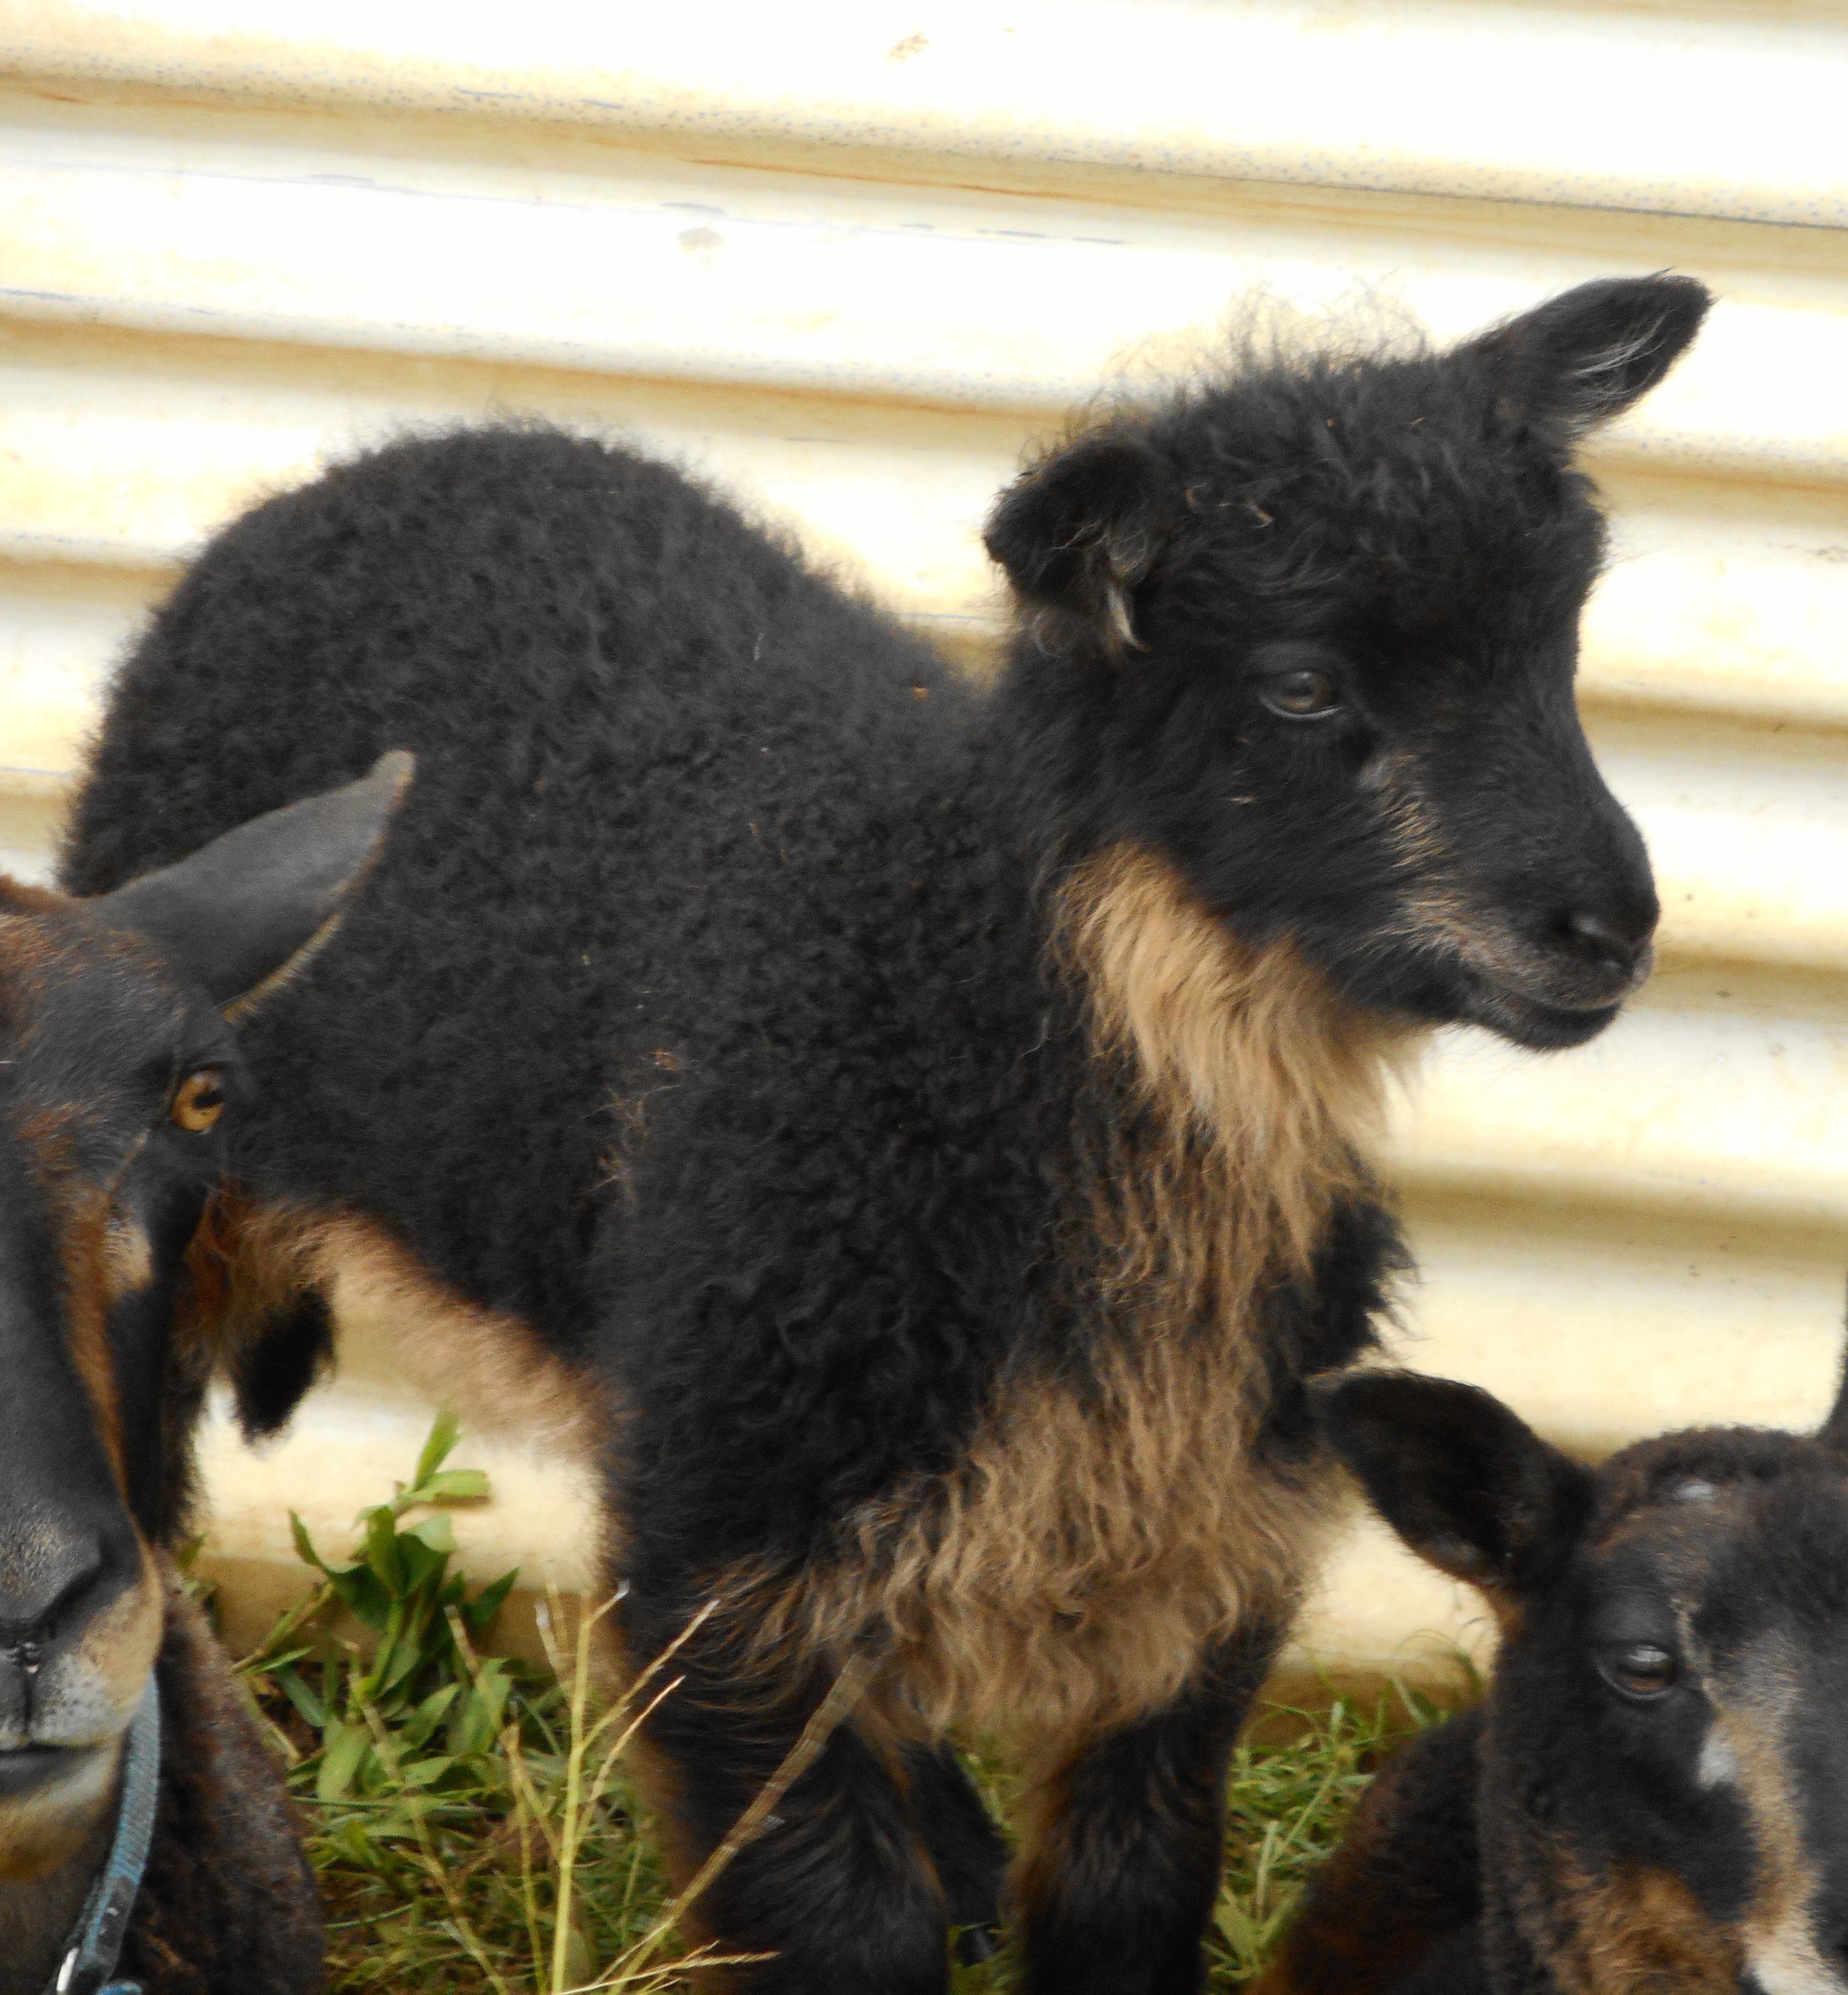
(1653, 1797)
(146, 1839)
(911, 1135)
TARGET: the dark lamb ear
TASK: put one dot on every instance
(1079, 532)
(234, 913)
(1470, 1489)
(1833, 1432)
(1586, 355)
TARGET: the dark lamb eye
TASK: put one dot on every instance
(1301, 695)
(1641, 1670)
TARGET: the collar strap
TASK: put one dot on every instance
(96, 1941)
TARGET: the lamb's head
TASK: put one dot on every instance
(1663, 1796)
(119, 1087)
(1309, 630)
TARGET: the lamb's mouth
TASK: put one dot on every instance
(28, 1771)
(1537, 1023)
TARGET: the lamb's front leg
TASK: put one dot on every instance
(838, 1893)
(969, 1853)
(1120, 1880)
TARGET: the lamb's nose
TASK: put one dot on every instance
(1599, 940)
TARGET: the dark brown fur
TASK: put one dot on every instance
(229, 1905)
(1650, 1800)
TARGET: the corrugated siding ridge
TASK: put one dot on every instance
(1720, 114)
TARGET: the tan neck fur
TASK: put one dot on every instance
(1262, 1086)
(1103, 1532)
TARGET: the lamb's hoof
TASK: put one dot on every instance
(974, 1944)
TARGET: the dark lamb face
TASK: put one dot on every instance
(1685, 1680)
(1311, 630)
(114, 1075)
(119, 1079)
(1666, 1752)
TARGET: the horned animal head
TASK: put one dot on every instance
(119, 1079)
(1663, 1785)
(1309, 630)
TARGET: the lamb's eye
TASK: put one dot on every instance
(1305, 694)
(1639, 1669)
(199, 1100)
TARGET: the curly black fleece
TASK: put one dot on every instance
(701, 852)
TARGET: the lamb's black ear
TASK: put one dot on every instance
(1470, 1489)
(1833, 1432)
(1585, 356)
(1081, 530)
(233, 914)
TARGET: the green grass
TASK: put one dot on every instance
(473, 1825)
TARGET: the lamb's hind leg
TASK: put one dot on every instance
(1117, 1890)
(839, 1893)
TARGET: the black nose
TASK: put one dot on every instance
(45, 1571)
(1598, 939)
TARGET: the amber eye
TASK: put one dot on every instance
(1301, 695)
(1641, 1670)
(200, 1101)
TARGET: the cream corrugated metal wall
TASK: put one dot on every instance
(848, 257)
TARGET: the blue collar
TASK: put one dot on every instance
(96, 1940)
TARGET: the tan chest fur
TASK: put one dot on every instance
(1104, 1530)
